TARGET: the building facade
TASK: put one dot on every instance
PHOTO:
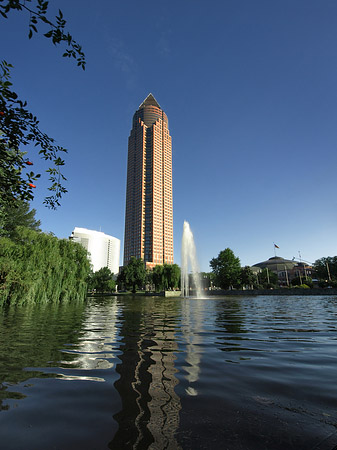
(104, 250)
(285, 269)
(149, 208)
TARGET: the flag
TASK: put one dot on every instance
(276, 246)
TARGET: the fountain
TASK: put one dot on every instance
(189, 261)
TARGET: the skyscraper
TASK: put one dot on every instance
(149, 211)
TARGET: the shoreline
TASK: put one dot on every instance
(220, 292)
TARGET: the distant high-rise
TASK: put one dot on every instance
(149, 210)
(103, 249)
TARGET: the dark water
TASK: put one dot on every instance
(122, 373)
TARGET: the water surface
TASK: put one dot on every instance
(230, 373)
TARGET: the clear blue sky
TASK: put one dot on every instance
(249, 88)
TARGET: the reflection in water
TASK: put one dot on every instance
(237, 373)
(31, 336)
(230, 317)
(149, 417)
(192, 328)
(96, 342)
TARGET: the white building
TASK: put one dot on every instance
(104, 250)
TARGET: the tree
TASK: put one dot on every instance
(15, 215)
(19, 127)
(133, 275)
(40, 268)
(158, 277)
(227, 269)
(166, 276)
(102, 280)
(268, 279)
(149, 280)
(323, 266)
(172, 275)
(248, 277)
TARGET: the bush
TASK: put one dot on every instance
(297, 281)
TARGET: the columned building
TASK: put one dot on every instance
(149, 210)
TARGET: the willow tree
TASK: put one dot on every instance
(39, 267)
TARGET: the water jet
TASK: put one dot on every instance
(189, 262)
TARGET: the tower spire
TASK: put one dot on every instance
(149, 101)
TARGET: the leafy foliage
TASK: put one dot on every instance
(248, 277)
(56, 29)
(133, 275)
(165, 276)
(15, 215)
(102, 280)
(227, 269)
(19, 127)
(268, 279)
(321, 268)
(298, 281)
(40, 268)
(158, 277)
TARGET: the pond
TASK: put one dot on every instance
(230, 373)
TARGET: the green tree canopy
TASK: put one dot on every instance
(38, 267)
(248, 277)
(268, 279)
(102, 280)
(323, 266)
(17, 214)
(172, 275)
(166, 276)
(227, 269)
(158, 277)
(133, 275)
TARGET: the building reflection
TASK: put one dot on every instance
(149, 417)
(94, 348)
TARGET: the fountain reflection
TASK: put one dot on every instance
(149, 417)
(192, 328)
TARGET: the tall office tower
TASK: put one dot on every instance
(149, 211)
